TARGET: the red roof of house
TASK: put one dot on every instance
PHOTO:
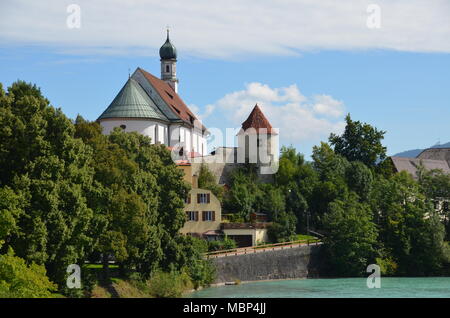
(258, 121)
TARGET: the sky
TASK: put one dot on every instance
(307, 63)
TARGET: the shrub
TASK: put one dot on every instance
(168, 285)
(224, 244)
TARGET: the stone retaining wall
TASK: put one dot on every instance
(296, 262)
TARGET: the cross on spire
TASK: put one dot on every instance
(168, 30)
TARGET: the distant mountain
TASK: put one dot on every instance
(415, 152)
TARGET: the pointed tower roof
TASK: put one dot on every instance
(132, 102)
(257, 121)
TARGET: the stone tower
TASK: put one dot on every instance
(168, 54)
(257, 141)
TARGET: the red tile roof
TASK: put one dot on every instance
(170, 98)
(258, 121)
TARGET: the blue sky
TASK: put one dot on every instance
(305, 90)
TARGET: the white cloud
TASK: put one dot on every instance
(328, 106)
(226, 29)
(298, 118)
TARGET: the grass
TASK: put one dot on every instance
(100, 266)
(305, 237)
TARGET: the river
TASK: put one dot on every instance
(391, 287)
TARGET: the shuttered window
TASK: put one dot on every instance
(203, 198)
(192, 216)
(208, 215)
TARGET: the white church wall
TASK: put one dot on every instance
(144, 127)
(188, 139)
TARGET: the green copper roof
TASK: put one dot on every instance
(132, 102)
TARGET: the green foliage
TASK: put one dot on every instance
(388, 267)
(295, 180)
(359, 142)
(168, 284)
(351, 237)
(271, 200)
(19, 280)
(11, 208)
(283, 228)
(435, 184)
(224, 244)
(137, 199)
(48, 169)
(207, 180)
(409, 226)
(359, 179)
(242, 197)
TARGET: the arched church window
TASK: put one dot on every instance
(167, 68)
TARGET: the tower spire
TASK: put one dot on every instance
(168, 54)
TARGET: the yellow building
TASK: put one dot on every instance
(202, 208)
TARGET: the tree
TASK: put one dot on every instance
(296, 179)
(241, 199)
(283, 228)
(331, 185)
(359, 142)
(359, 179)
(207, 180)
(19, 280)
(409, 227)
(435, 185)
(42, 163)
(271, 200)
(288, 167)
(351, 236)
(138, 199)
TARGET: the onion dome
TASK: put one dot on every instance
(168, 50)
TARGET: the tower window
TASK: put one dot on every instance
(167, 68)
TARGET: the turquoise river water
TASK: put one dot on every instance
(391, 287)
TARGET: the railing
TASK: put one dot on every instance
(262, 248)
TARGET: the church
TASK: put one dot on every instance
(152, 107)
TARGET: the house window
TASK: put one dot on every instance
(208, 216)
(187, 200)
(203, 198)
(192, 216)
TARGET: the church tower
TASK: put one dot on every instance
(168, 54)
